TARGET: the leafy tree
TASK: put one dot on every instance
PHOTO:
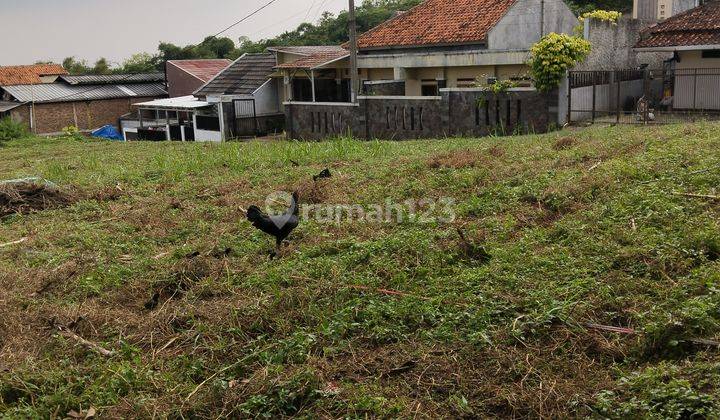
(140, 63)
(75, 66)
(101, 67)
(584, 6)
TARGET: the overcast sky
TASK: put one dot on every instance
(51, 30)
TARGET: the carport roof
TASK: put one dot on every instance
(7, 106)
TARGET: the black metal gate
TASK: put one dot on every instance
(246, 123)
(643, 96)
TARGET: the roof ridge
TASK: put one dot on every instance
(438, 22)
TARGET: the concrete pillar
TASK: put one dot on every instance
(312, 83)
(399, 73)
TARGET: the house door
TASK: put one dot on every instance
(246, 124)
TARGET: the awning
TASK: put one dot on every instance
(183, 103)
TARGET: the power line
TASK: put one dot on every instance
(307, 15)
(245, 18)
(262, 31)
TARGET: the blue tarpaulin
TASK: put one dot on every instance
(108, 132)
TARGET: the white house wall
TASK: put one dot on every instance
(703, 92)
(520, 28)
(267, 98)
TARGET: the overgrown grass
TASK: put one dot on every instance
(11, 130)
(370, 320)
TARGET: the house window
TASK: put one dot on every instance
(429, 87)
(207, 123)
(711, 54)
(466, 83)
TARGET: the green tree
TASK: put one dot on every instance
(75, 66)
(101, 67)
(140, 63)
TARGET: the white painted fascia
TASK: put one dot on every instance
(330, 62)
(479, 89)
(262, 86)
(322, 103)
(679, 48)
(412, 98)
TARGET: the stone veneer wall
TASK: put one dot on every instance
(458, 112)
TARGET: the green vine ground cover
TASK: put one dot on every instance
(577, 228)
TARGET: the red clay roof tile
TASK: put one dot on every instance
(438, 22)
(699, 26)
(29, 75)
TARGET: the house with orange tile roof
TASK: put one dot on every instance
(437, 44)
(34, 74)
(693, 37)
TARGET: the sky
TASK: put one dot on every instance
(50, 30)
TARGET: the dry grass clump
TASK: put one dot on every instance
(30, 196)
(564, 143)
(459, 159)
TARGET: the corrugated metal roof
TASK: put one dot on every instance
(183, 102)
(60, 92)
(111, 79)
(7, 106)
(243, 77)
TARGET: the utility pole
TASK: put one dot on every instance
(353, 54)
(542, 18)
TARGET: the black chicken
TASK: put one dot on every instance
(322, 175)
(278, 226)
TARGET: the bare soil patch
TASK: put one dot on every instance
(25, 197)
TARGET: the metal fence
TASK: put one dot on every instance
(644, 96)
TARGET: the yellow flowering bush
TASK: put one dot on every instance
(602, 15)
(610, 16)
(552, 56)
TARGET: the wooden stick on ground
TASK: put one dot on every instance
(225, 369)
(19, 241)
(85, 343)
(609, 328)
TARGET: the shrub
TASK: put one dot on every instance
(11, 130)
(72, 133)
(609, 16)
(552, 56)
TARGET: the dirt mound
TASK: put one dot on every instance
(27, 196)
